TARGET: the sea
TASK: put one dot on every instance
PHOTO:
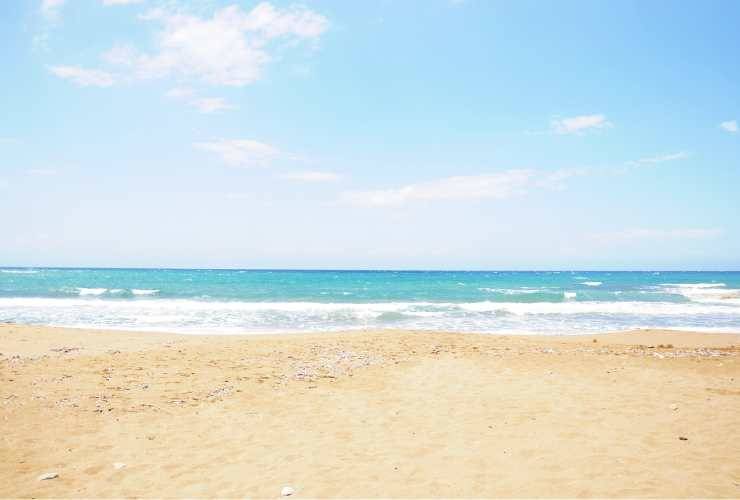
(218, 301)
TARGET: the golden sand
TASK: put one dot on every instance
(368, 414)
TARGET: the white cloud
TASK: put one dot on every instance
(492, 186)
(643, 235)
(50, 9)
(120, 2)
(243, 152)
(660, 158)
(83, 77)
(729, 126)
(202, 104)
(230, 48)
(311, 176)
(577, 124)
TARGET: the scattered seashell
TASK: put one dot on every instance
(48, 475)
(287, 491)
(119, 465)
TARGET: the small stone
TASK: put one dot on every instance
(683, 438)
(48, 475)
(674, 407)
(287, 491)
(119, 465)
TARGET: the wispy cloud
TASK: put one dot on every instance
(729, 126)
(311, 176)
(556, 179)
(82, 76)
(50, 9)
(648, 235)
(579, 124)
(50, 13)
(231, 48)
(651, 160)
(202, 104)
(492, 186)
(495, 186)
(243, 152)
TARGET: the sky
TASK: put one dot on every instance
(436, 134)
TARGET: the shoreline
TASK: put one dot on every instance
(22, 343)
(368, 414)
(348, 331)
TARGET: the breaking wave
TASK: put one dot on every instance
(486, 316)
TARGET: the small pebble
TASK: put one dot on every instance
(119, 465)
(286, 491)
(682, 438)
(674, 407)
(48, 475)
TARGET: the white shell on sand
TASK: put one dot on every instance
(286, 491)
(119, 465)
(48, 475)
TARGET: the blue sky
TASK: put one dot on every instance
(438, 134)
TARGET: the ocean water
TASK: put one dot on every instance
(244, 301)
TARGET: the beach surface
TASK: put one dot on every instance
(368, 414)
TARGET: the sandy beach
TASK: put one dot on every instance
(368, 414)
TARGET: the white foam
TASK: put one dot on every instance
(202, 316)
(565, 307)
(91, 291)
(139, 291)
(603, 307)
(18, 271)
(513, 291)
(569, 295)
(694, 285)
(592, 283)
(704, 292)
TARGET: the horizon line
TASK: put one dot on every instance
(430, 270)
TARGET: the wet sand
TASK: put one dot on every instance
(368, 414)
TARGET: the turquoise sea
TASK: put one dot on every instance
(243, 301)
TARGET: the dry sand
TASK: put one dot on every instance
(368, 414)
